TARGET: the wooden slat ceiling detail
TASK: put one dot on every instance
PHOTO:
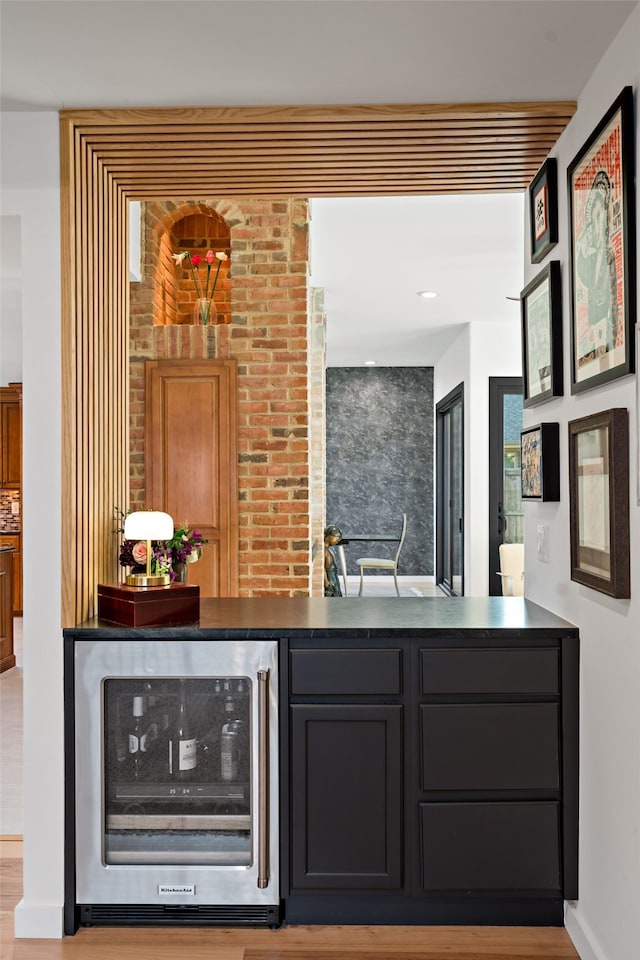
(322, 151)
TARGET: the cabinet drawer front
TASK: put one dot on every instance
(490, 846)
(348, 672)
(488, 671)
(487, 746)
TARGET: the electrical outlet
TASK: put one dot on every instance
(15, 507)
(542, 541)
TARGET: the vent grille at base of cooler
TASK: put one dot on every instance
(103, 914)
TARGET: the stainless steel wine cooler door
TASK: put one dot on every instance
(176, 772)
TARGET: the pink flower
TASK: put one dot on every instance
(210, 256)
(139, 552)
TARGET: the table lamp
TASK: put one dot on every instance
(148, 525)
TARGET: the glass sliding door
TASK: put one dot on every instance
(506, 515)
(450, 492)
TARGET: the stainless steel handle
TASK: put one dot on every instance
(263, 778)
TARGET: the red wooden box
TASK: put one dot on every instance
(149, 606)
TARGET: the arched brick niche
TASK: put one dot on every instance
(195, 231)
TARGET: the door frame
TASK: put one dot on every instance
(444, 406)
(499, 387)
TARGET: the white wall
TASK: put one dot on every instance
(480, 351)
(604, 922)
(30, 191)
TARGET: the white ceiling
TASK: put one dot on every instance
(370, 255)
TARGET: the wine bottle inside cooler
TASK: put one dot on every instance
(230, 750)
(183, 754)
(135, 735)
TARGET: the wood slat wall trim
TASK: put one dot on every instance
(111, 156)
(305, 114)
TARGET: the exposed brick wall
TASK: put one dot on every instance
(317, 425)
(266, 293)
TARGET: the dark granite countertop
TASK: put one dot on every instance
(236, 618)
(7, 549)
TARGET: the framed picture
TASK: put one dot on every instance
(543, 210)
(540, 462)
(602, 250)
(599, 501)
(541, 314)
(638, 412)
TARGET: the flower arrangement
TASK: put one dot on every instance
(186, 545)
(194, 263)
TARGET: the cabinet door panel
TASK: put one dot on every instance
(490, 846)
(506, 746)
(346, 764)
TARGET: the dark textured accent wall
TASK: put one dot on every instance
(380, 457)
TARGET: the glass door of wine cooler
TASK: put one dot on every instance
(178, 760)
(176, 772)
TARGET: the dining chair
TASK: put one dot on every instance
(378, 563)
(512, 569)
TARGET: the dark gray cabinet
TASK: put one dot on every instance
(491, 771)
(347, 768)
(433, 781)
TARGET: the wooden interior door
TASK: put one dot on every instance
(191, 460)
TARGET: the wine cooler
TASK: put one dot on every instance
(172, 817)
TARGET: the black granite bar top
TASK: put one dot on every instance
(7, 549)
(236, 618)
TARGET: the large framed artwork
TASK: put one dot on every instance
(541, 315)
(540, 462)
(543, 210)
(602, 250)
(599, 501)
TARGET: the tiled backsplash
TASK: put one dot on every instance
(9, 521)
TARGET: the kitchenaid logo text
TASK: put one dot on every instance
(167, 889)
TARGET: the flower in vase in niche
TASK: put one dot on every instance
(194, 262)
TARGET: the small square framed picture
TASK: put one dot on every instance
(540, 462)
(543, 210)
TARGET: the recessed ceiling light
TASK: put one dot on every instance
(370, 363)
(427, 294)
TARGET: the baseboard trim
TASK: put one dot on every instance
(581, 935)
(38, 921)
